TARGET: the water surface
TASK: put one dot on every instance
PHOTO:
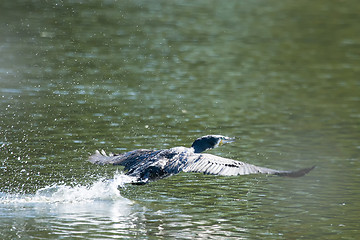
(78, 76)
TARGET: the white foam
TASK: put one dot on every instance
(103, 189)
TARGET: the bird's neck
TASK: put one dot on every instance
(198, 149)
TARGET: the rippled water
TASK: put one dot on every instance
(78, 76)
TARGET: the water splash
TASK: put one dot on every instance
(102, 189)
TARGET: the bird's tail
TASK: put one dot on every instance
(101, 158)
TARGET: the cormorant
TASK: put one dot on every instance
(150, 165)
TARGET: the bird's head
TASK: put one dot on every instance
(209, 142)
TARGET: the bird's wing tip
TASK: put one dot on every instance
(299, 173)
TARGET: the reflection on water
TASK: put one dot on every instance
(281, 76)
(191, 207)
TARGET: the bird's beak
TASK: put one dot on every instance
(226, 140)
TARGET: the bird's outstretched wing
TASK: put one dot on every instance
(128, 159)
(211, 164)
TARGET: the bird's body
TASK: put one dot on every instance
(150, 165)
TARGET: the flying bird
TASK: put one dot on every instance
(149, 165)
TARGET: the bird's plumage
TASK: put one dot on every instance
(149, 165)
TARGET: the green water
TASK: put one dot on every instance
(281, 76)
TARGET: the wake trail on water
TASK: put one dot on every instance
(102, 189)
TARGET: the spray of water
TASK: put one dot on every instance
(102, 189)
